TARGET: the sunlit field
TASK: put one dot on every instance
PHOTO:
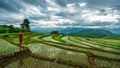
(61, 51)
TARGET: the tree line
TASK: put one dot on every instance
(24, 27)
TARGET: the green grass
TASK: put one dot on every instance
(58, 37)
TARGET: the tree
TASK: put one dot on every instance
(2, 30)
(25, 25)
(11, 28)
(26, 22)
(17, 29)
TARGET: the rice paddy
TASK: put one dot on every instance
(51, 51)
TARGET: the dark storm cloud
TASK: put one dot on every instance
(103, 3)
(15, 5)
(72, 1)
(38, 17)
(41, 3)
(61, 3)
(10, 5)
(82, 23)
(14, 11)
(65, 14)
(116, 7)
(9, 21)
(5, 22)
(96, 24)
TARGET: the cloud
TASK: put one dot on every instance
(11, 6)
(82, 4)
(41, 3)
(62, 3)
(62, 13)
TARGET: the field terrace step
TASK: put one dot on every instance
(98, 43)
(75, 49)
(7, 47)
(70, 47)
(53, 52)
(96, 51)
(45, 58)
(9, 58)
(98, 47)
(49, 38)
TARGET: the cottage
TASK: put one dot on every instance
(54, 32)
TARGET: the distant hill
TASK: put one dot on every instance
(61, 30)
(95, 33)
(116, 31)
(86, 32)
(71, 30)
(45, 30)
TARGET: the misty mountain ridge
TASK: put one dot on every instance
(86, 32)
(93, 33)
(61, 30)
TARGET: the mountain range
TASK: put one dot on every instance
(86, 32)
(95, 33)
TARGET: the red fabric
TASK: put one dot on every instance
(20, 37)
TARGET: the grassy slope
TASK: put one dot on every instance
(58, 37)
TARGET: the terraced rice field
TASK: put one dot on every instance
(36, 63)
(7, 48)
(51, 51)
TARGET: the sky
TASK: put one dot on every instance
(61, 13)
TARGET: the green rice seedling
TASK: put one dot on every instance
(36, 63)
(52, 52)
(7, 48)
(95, 46)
